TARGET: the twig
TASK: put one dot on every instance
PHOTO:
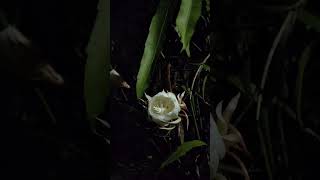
(283, 143)
(192, 97)
(284, 8)
(197, 73)
(46, 105)
(203, 100)
(312, 133)
(105, 123)
(169, 77)
(194, 117)
(265, 153)
(262, 85)
(197, 46)
(269, 59)
(299, 83)
(232, 169)
(244, 111)
(242, 166)
(285, 107)
(268, 144)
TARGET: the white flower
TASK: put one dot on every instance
(164, 107)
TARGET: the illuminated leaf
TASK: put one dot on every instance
(189, 13)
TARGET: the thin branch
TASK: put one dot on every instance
(283, 29)
(284, 8)
(46, 105)
(241, 164)
(197, 73)
(169, 77)
(269, 60)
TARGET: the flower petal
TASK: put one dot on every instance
(163, 107)
(147, 96)
(175, 121)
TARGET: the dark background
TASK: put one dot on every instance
(32, 146)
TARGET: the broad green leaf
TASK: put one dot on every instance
(153, 44)
(97, 65)
(189, 13)
(310, 20)
(182, 150)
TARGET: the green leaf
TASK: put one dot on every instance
(153, 45)
(189, 13)
(182, 150)
(97, 65)
(310, 20)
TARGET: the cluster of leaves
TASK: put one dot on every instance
(188, 15)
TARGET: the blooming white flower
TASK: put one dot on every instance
(164, 107)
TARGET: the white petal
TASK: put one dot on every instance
(171, 95)
(165, 128)
(163, 107)
(175, 121)
(183, 93)
(148, 97)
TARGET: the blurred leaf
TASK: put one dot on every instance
(208, 6)
(310, 20)
(231, 107)
(216, 149)
(189, 13)
(235, 131)
(182, 150)
(221, 123)
(97, 66)
(232, 138)
(216, 138)
(242, 166)
(213, 163)
(153, 45)
(220, 177)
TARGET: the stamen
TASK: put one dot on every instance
(157, 109)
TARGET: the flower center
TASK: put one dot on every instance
(159, 109)
(163, 106)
